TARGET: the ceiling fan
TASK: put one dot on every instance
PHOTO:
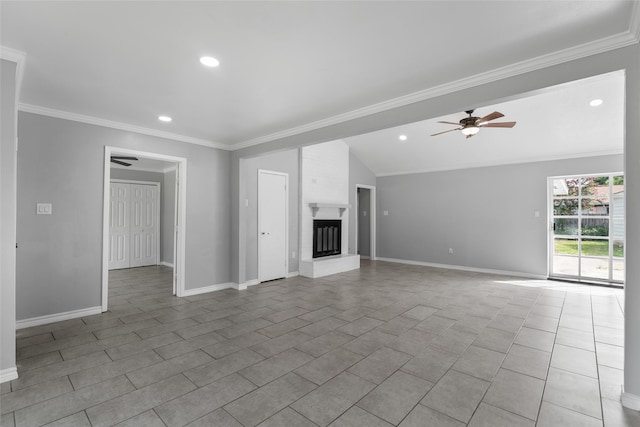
(471, 125)
(119, 160)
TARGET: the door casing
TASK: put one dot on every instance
(179, 272)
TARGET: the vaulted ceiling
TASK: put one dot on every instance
(289, 67)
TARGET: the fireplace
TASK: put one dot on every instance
(327, 237)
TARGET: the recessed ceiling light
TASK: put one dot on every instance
(209, 61)
(402, 137)
(166, 119)
(595, 102)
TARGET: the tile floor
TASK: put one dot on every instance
(387, 345)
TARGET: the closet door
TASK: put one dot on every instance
(119, 226)
(144, 225)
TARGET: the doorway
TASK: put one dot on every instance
(273, 225)
(176, 227)
(587, 232)
(365, 214)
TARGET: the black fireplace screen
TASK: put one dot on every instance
(327, 237)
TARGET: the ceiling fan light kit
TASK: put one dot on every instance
(471, 125)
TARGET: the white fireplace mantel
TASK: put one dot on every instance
(317, 206)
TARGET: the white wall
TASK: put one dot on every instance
(324, 174)
(8, 220)
(60, 255)
(486, 215)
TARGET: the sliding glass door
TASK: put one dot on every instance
(586, 240)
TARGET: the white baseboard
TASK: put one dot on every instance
(293, 274)
(8, 374)
(630, 401)
(58, 317)
(166, 264)
(465, 268)
(207, 289)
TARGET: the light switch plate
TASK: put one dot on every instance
(43, 208)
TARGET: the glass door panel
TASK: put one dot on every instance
(587, 232)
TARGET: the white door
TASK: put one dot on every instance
(144, 238)
(119, 226)
(272, 225)
(133, 225)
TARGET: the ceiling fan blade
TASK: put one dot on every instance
(124, 158)
(120, 163)
(450, 123)
(450, 130)
(489, 117)
(499, 125)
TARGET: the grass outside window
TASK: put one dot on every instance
(589, 248)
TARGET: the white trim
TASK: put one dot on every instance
(630, 401)
(465, 268)
(286, 218)
(51, 112)
(372, 221)
(570, 54)
(207, 289)
(8, 374)
(166, 264)
(180, 226)
(19, 58)
(58, 317)
(505, 163)
(293, 274)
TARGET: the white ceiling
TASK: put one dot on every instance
(555, 123)
(286, 67)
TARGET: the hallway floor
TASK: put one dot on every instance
(385, 345)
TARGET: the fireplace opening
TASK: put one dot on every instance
(327, 237)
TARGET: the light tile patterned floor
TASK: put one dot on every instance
(389, 344)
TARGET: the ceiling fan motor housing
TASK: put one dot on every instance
(469, 121)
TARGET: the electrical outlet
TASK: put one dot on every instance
(450, 250)
(293, 254)
(385, 213)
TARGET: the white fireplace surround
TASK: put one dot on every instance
(324, 178)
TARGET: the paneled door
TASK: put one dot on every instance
(119, 226)
(272, 225)
(133, 225)
(144, 224)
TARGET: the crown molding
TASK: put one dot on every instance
(44, 111)
(19, 58)
(617, 41)
(503, 163)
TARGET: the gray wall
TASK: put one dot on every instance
(60, 255)
(485, 214)
(167, 182)
(358, 174)
(287, 162)
(7, 215)
(364, 222)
